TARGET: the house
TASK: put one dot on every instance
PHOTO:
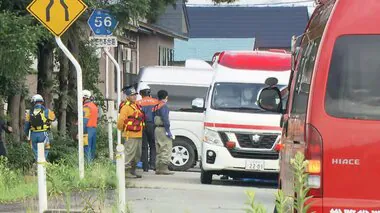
(218, 28)
(145, 44)
(139, 44)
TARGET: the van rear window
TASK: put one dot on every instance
(180, 97)
(353, 87)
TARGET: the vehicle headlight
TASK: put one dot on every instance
(212, 137)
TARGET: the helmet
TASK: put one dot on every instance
(86, 94)
(129, 90)
(144, 89)
(144, 86)
(37, 98)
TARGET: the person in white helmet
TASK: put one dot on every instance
(38, 122)
(147, 104)
(90, 123)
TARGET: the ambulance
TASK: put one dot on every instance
(239, 137)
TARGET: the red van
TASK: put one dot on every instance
(333, 112)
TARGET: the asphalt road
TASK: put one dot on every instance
(180, 193)
(183, 192)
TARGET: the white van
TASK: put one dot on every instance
(186, 123)
(240, 137)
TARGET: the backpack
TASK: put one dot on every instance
(37, 119)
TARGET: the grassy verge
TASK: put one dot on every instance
(62, 177)
(13, 185)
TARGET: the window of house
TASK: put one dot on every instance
(165, 56)
(353, 83)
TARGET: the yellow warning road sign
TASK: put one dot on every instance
(57, 15)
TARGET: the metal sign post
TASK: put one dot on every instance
(109, 113)
(103, 24)
(118, 87)
(58, 21)
(42, 189)
(80, 103)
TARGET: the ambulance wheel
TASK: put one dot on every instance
(183, 155)
(206, 177)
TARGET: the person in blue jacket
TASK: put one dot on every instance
(38, 122)
(163, 135)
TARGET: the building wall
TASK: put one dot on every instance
(149, 48)
(111, 75)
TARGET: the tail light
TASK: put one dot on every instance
(313, 154)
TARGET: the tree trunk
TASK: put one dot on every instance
(14, 112)
(2, 113)
(22, 117)
(63, 89)
(45, 72)
(73, 46)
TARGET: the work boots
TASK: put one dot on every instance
(131, 173)
(163, 170)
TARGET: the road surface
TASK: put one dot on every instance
(180, 193)
(183, 192)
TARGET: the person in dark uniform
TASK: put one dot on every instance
(8, 129)
(147, 104)
(163, 135)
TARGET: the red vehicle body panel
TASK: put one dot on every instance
(346, 187)
(255, 60)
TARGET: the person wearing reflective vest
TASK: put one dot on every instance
(90, 123)
(131, 123)
(38, 122)
(147, 103)
(163, 135)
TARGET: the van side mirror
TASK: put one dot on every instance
(198, 103)
(270, 100)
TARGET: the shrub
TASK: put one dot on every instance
(20, 155)
(63, 147)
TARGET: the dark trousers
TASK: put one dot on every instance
(148, 143)
(3, 151)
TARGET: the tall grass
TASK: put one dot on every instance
(13, 185)
(63, 179)
(300, 203)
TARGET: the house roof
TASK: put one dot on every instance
(152, 29)
(270, 26)
(175, 17)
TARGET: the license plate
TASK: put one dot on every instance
(254, 165)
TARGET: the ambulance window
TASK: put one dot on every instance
(304, 74)
(353, 88)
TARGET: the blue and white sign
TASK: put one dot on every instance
(102, 23)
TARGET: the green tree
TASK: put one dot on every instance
(18, 45)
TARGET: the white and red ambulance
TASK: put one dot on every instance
(239, 137)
